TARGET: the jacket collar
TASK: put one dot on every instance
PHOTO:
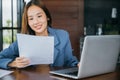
(52, 32)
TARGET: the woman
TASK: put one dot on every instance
(37, 21)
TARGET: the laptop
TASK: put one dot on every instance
(99, 56)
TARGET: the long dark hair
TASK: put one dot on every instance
(25, 27)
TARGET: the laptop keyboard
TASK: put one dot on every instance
(70, 71)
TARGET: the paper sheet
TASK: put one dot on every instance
(4, 72)
(39, 49)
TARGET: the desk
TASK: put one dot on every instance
(41, 72)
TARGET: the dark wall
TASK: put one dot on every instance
(68, 15)
(96, 11)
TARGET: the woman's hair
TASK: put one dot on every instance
(25, 27)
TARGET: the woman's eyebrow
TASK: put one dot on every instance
(39, 13)
(36, 14)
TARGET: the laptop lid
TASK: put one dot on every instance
(99, 55)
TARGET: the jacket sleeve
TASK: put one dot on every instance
(8, 55)
(70, 59)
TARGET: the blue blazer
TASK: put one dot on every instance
(62, 50)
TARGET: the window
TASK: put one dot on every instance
(10, 21)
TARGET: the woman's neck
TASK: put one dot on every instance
(42, 34)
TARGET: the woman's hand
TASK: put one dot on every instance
(19, 62)
(78, 64)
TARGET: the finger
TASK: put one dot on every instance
(25, 60)
(78, 64)
(22, 65)
(22, 62)
(21, 59)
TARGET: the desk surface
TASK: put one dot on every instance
(41, 72)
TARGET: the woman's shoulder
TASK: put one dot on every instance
(60, 31)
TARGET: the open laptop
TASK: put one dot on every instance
(99, 55)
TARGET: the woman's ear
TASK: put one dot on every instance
(48, 19)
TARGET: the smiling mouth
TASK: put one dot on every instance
(38, 26)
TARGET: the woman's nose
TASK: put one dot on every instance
(36, 21)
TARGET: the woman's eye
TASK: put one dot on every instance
(40, 16)
(30, 18)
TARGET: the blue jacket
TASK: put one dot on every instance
(62, 50)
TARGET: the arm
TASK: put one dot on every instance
(8, 55)
(70, 60)
(10, 58)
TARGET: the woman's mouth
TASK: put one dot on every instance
(38, 27)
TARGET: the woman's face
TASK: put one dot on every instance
(37, 20)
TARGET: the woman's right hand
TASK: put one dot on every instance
(19, 62)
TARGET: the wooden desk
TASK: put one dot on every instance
(41, 72)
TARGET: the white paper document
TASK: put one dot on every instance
(39, 49)
(4, 72)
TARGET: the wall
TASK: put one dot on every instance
(96, 11)
(68, 15)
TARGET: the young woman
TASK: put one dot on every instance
(37, 21)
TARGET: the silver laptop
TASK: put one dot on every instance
(99, 56)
